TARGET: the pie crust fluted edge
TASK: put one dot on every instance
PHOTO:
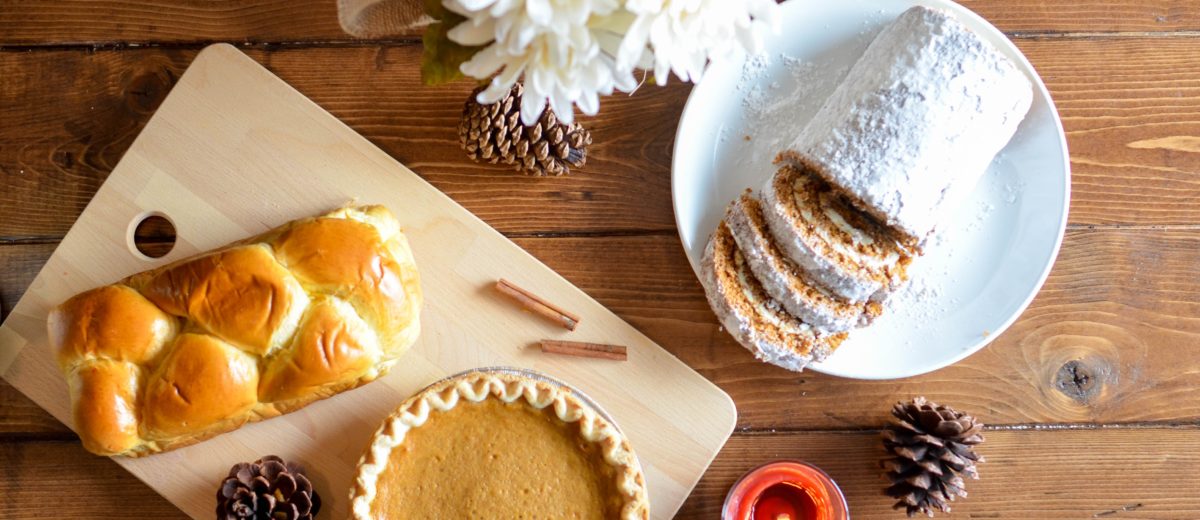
(477, 386)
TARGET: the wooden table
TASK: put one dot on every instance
(1091, 398)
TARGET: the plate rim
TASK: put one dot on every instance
(975, 22)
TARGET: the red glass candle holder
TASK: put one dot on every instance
(785, 490)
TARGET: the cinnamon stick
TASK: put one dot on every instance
(581, 349)
(537, 305)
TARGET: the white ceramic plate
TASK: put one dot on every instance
(988, 260)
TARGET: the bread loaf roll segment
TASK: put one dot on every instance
(178, 354)
(916, 121)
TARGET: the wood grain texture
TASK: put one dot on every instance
(61, 480)
(21, 263)
(1051, 474)
(1132, 113)
(1063, 474)
(1023, 17)
(75, 113)
(1108, 340)
(20, 417)
(55, 22)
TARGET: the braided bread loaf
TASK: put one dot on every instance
(178, 354)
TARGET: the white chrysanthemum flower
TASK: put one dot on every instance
(557, 45)
(681, 36)
(570, 52)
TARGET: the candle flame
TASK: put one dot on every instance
(783, 516)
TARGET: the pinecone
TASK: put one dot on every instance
(267, 489)
(494, 134)
(932, 446)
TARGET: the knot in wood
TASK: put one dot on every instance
(1079, 381)
(146, 91)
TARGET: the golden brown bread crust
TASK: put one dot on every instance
(242, 295)
(357, 270)
(202, 382)
(80, 326)
(331, 343)
(107, 394)
(253, 330)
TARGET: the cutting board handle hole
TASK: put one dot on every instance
(151, 235)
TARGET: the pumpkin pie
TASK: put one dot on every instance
(498, 445)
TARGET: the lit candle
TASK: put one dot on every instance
(785, 490)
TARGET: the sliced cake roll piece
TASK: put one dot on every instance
(786, 283)
(755, 320)
(839, 247)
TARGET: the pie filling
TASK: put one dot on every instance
(493, 459)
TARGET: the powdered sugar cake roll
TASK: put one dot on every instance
(784, 281)
(916, 121)
(751, 316)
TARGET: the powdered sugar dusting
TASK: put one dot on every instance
(935, 289)
(904, 177)
(754, 68)
(780, 93)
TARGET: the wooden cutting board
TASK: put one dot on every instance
(234, 151)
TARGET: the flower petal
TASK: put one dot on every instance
(539, 11)
(562, 106)
(634, 44)
(571, 52)
(532, 105)
(589, 103)
(484, 63)
(473, 32)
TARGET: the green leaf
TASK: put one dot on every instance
(442, 57)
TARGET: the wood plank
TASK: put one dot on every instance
(1108, 340)
(20, 417)
(1049, 474)
(54, 22)
(1036, 474)
(1132, 113)
(21, 264)
(61, 480)
(75, 113)
(1088, 16)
